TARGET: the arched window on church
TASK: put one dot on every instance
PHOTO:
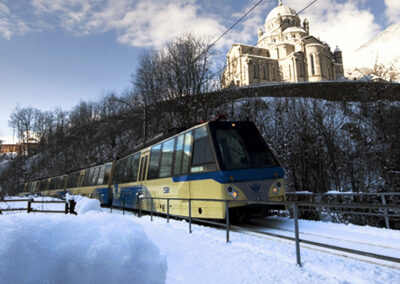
(264, 72)
(312, 64)
(254, 70)
(277, 53)
(290, 72)
(321, 66)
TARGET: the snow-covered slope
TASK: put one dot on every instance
(384, 47)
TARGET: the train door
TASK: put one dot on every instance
(142, 178)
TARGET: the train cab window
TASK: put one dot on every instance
(166, 158)
(187, 152)
(241, 146)
(203, 158)
(154, 166)
(232, 149)
(178, 155)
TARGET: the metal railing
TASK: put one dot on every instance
(345, 196)
(295, 206)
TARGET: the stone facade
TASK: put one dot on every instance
(285, 52)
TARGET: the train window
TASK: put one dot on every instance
(166, 158)
(107, 173)
(135, 166)
(154, 161)
(200, 133)
(178, 154)
(203, 159)
(127, 169)
(101, 175)
(119, 171)
(53, 183)
(73, 179)
(95, 177)
(42, 185)
(143, 166)
(186, 152)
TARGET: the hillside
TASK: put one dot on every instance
(383, 47)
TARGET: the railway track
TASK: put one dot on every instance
(376, 253)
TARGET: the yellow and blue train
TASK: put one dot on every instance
(208, 164)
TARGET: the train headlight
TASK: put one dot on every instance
(232, 192)
(276, 188)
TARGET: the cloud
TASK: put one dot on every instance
(339, 23)
(393, 10)
(10, 24)
(137, 23)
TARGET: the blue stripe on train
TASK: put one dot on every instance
(102, 194)
(238, 175)
(127, 197)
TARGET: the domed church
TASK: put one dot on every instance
(285, 52)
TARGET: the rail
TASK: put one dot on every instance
(381, 197)
(293, 205)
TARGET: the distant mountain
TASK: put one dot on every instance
(385, 48)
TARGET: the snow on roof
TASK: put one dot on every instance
(294, 30)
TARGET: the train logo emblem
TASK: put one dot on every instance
(256, 187)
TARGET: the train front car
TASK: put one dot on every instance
(248, 169)
(212, 165)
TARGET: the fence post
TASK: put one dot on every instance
(72, 204)
(151, 200)
(190, 216)
(227, 221)
(140, 206)
(296, 232)
(385, 212)
(29, 208)
(123, 204)
(167, 210)
(66, 206)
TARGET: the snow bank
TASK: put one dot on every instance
(90, 248)
(84, 204)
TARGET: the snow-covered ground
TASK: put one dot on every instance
(98, 247)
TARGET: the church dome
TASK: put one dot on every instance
(283, 10)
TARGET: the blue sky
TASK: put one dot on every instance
(54, 53)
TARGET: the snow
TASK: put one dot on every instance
(384, 48)
(94, 247)
(84, 205)
(98, 247)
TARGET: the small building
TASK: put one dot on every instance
(285, 52)
(18, 148)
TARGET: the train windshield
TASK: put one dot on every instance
(240, 145)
